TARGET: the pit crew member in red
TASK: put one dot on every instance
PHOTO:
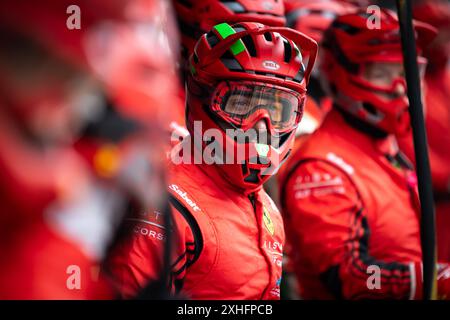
(349, 196)
(228, 234)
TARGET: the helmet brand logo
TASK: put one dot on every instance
(271, 65)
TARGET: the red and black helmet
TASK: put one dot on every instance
(237, 67)
(198, 17)
(349, 45)
(314, 17)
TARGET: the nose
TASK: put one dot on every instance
(400, 89)
(260, 126)
(262, 134)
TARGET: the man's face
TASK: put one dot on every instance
(50, 95)
(266, 110)
(242, 105)
(277, 109)
(385, 74)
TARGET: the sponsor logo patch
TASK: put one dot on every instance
(185, 197)
(318, 185)
(268, 221)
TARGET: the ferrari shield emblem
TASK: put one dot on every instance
(268, 221)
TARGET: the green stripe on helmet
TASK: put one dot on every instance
(225, 30)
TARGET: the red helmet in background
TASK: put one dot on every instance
(231, 68)
(314, 17)
(198, 17)
(437, 14)
(350, 45)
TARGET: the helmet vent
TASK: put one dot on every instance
(230, 62)
(268, 36)
(287, 51)
(212, 39)
(250, 45)
(239, 28)
(300, 75)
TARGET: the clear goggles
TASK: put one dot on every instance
(386, 76)
(242, 104)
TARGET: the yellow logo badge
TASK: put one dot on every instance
(268, 221)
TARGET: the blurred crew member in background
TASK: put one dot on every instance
(57, 218)
(313, 18)
(349, 195)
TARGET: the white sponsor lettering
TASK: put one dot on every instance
(148, 233)
(340, 163)
(317, 185)
(275, 245)
(275, 250)
(184, 196)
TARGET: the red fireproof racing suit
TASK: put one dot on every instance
(351, 210)
(227, 244)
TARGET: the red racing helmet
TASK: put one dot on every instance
(349, 47)
(314, 17)
(241, 74)
(198, 17)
